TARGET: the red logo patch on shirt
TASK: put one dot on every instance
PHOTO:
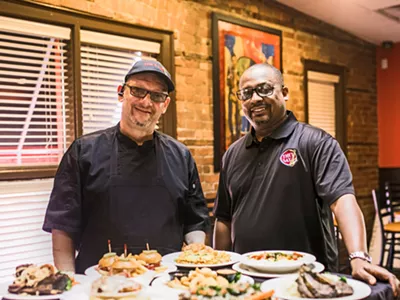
(289, 157)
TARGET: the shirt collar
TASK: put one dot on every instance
(131, 143)
(283, 131)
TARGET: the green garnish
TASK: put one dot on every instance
(69, 284)
(256, 286)
(344, 279)
(237, 277)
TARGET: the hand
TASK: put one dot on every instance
(369, 273)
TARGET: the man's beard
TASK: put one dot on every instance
(140, 124)
(261, 122)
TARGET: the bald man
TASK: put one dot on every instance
(281, 182)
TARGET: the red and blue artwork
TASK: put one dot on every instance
(239, 48)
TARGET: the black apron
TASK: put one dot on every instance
(136, 211)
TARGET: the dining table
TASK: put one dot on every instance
(379, 291)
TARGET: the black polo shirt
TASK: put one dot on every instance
(277, 193)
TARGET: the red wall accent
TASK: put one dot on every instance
(388, 86)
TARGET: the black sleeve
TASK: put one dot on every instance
(331, 172)
(64, 208)
(196, 211)
(222, 207)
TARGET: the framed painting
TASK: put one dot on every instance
(236, 45)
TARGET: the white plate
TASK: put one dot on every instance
(281, 286)
(92, 271)
(162, 280)
(282, 266)
(170, 258)
(81, 279)
(318, 267)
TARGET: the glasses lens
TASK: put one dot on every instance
(244, 94)
(158, 97)
(264, 90)
(138, 92)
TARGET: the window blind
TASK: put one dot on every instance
(34, 108)
(105, 60)
(22, 208)
(321, 101)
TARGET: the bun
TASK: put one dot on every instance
(124, 264)
(150, 256)
(107, 260)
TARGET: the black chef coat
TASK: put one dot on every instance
(83, 183)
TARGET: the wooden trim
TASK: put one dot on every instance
(340, 97)
(74, 20)
(76, 79)
(167, 57)
(27, 173)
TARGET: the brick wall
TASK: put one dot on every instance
(303, 38)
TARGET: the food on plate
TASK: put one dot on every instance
(276, 256)
(39, 280)
(106, 261)
(130, 265)
(320, 285)
(151, 257)
(229, 274)
(205, 283)
(201, 254)
(114, 285)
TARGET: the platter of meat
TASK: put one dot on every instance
(318, 286)
(39, 282)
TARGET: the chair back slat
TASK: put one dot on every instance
(378, 208)
(392, 198)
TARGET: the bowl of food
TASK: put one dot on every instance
(277, 261)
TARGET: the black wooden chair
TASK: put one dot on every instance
(390, 231)
(392, 194)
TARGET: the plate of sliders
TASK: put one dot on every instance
(130, 265)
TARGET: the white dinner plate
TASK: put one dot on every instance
(318, 267)
(281, 266)
(162, 280)
(170, 258)
(283, 285)
(80, 279)
(92, 271)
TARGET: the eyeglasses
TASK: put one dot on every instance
(141, 93)
(262, 90)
